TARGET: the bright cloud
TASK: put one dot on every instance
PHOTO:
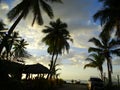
(4, 6)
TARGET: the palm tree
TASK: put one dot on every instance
(23, 8)
(7, 53)
(55, 70)
(106, 46)
(109, 16)
(57, 39)
(19, 50)
(2, 33)
(2, 28)
(96, 61)
(10, 42)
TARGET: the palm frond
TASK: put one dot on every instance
(114, 43)
(90, 65)
(116, 52)
(96, 42)
(101, 15)
(105, 38)
(47, 9)
(12, 14)
(109, 26)
(89, 59)
(92, 49)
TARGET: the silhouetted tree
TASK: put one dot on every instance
(109, 16)
(106, 46)
(96, 61)
(57, 39)
(9, 44)
(22, 9)
(19, 50)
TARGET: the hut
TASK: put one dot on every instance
(38, 69)
(10, 69)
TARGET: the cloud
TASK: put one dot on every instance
(4, 6)
(77, 14)
(116, 61)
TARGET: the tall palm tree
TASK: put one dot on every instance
(19, 50)
(57, 39)
(106, 46)
(7, 53)
(109, 16)
(10, 42)
(96, 61)
(22, 9)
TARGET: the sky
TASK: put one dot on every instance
(78, 15)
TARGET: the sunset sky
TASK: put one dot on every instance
(78, 15)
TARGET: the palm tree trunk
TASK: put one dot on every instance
(101, 75)
(55, 59)
(111, 69)
(10, 31)
(118, 29)
(54, 63)
(109, 72)
(51, 65)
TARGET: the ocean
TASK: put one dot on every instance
(75, 81)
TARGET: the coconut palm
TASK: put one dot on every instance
(10, 42)
(22, 9)
(19, 50)
(106, 46)
(96, 61)
(7, 53)
(57, 39)
(109, 16)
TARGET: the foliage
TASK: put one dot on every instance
(15, 48)
(57, 37)
(109, 16)
(19, 50)
(96, 61)
(22, 9)
(106, 46)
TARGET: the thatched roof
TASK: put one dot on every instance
(36, 69)
(7, 66)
